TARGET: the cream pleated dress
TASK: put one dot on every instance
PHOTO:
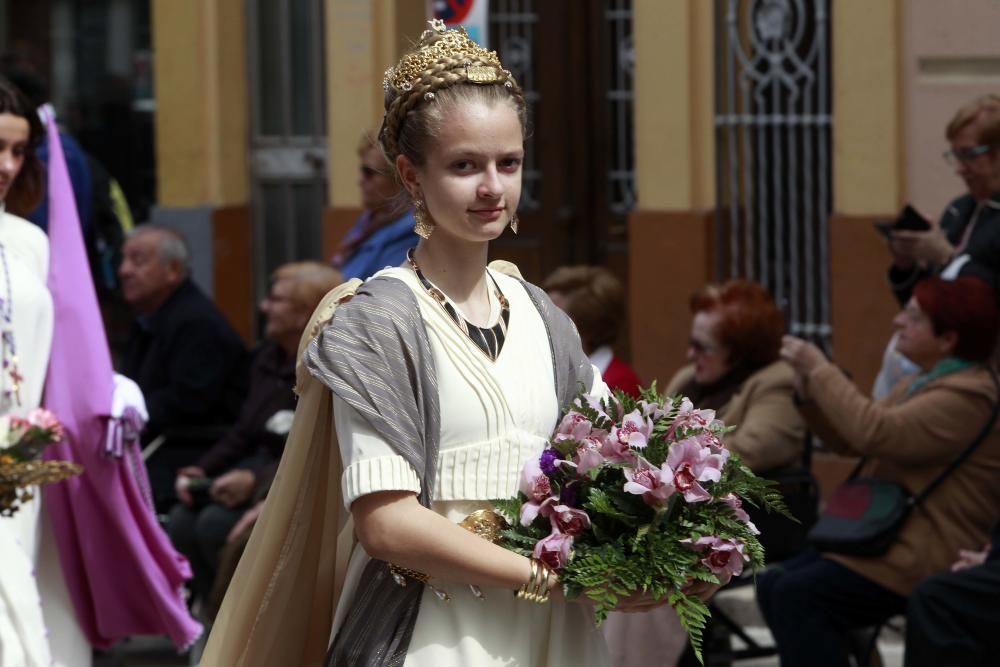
(494, 415)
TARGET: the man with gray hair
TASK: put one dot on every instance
(189, 362)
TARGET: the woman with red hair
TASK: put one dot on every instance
(735, 370)
(948, 329)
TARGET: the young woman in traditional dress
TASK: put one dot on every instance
(446, 375)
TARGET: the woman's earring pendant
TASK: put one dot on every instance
(513, 223)
(423, 226)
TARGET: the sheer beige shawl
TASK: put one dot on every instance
(279, 607)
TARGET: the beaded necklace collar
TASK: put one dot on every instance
(489, 340)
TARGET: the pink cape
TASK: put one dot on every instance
(123, 574)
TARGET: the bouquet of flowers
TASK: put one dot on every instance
(639, 496)
(22, 439)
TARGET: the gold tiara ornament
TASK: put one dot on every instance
(481, 65)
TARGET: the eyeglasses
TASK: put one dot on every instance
(965, 155)
(369, 172)
(701, 348)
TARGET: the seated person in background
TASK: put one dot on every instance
(735, 370)
(187, 359)
(238, 468)
(948, 329)
(952, 618)
(969, 228)
(966, 239)
(384, 232)
(593, 298)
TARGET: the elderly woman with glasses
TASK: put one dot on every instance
(384, 232)
(967, 236)
(910, 438)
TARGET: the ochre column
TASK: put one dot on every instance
(868, 175)
(670, 232)
(200, 74)
(363, 37)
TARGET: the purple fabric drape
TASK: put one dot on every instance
(123, 574)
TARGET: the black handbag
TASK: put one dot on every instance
(864, 514)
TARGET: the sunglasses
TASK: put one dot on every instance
(369, 172)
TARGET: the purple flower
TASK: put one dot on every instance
(569, 521)
(654, 485)
(569, 495)
(723, 557)
(547, 461)
(691, 463)
(554, 550)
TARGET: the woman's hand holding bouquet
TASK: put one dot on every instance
(636, 503)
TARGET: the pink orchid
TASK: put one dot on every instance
(554, 550)
(18, 426)
(45, 420)
(531, 509)
(568, 520)
(652, 410)
(588, 455)
(690, 417)
(736, 503)
(574, 426)
(595, 403)
(634, 431)
(534, 483)
(690, 463)
(537, 487)
(654, 485)
(723, 557)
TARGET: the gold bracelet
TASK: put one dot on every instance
(536, 589)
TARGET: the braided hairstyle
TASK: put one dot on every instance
(415, 110)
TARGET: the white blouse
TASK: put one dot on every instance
(494, 414)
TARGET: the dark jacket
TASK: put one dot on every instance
(252, 442)
(190, 364)
(983, 247)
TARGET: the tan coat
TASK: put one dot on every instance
(911, 440)
(770, 432)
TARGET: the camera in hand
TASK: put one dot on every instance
(909, 220)
(199, 488)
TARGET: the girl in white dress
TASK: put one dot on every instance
(25, 340)
(446, 376)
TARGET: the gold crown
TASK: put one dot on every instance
(453, 44)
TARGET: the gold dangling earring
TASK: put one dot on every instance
(424, 226)
(513, 223)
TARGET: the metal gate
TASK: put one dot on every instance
(773, 180)
(287, 132)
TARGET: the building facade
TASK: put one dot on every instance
(677, 142)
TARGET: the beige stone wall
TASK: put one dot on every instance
(951, 54)
(200, 72)
(363, 37)
(675, 150)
